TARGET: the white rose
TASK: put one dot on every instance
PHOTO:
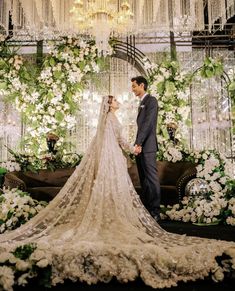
(22, 279)
(37, 255)
(22, 265)
(6, 257)
(6, 278)
(42, 263)
(218, 275)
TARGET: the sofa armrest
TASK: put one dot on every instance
(12, 181)
(182, 181)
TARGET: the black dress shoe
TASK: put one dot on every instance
(157, 218)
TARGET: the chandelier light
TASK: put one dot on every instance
(102, 19)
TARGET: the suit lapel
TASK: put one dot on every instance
(143, 103)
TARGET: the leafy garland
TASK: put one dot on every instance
(211, 68)
(49, 98)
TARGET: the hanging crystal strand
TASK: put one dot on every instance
(199, 15)
(156, 6)
(192, 13)
(39, 7)
(230, 9)
(28, 13)
(55, 12)
(15, 12)
(4, 14)
(223, 13)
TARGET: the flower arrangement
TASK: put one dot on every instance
(47, 160)
(48, 99)
(203, 211)
(23, 263)
(218, 205)
(171, 87)
(16, 208)
(10, 166)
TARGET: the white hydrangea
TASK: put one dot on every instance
(6, 278)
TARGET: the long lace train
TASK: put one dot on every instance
(96, 228)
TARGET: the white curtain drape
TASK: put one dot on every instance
(43, 18)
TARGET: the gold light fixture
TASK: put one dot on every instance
(102, 19)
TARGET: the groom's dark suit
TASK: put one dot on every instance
(146, 160)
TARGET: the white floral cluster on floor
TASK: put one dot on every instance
(203, 211)
(16, 208)
(23, 263)
(218, 205)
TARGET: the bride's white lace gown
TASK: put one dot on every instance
(96, 228)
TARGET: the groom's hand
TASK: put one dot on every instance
(137, 149)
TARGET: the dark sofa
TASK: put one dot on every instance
(46, 184)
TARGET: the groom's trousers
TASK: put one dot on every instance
(149, 181)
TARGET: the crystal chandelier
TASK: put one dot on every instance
(102, 19)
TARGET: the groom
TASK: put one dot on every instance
(146, 147)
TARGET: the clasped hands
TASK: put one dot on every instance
(137, 149)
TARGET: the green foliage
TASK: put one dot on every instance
(48, 96)
(230, 189)
(211, 68)
(50, 161)
(25, 265)
(3, 171)
(231, 89)
(24, 252)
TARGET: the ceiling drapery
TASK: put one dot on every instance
(41, 19)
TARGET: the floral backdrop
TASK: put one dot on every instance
(171, 86)
(48, 97)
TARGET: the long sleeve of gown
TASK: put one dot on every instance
(124, 144)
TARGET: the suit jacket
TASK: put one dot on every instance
(147, 123)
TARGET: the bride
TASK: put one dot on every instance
(96, 228)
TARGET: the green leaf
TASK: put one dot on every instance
(231, 86)
(209, 73)
(161, 87)
(52, 62)
(165, 133)
(25, 75)
(82, 65)
(2, 63)
(24, 252)
(3, 85)
(59, 116)
(58, 74)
